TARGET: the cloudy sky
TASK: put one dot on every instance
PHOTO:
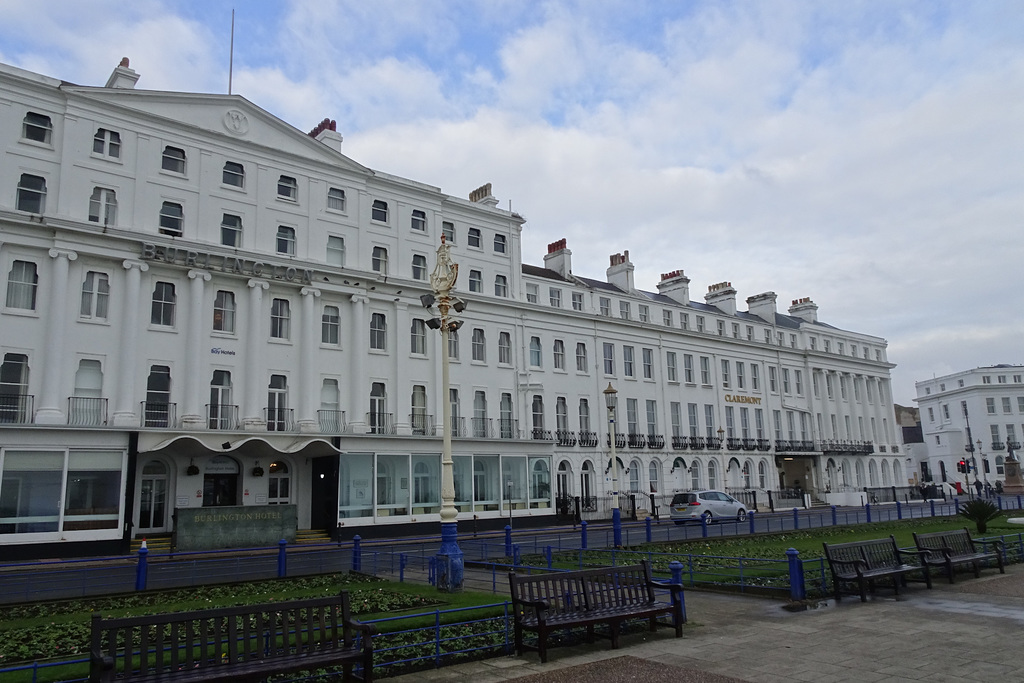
(869, 155)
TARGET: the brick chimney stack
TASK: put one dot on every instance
(804, 308)
(559, 258)
(722, 296)
(620, 272)
(676, 286)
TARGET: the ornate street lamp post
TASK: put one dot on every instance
(442, 282)
(611, 400)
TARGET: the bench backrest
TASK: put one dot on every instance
(958, 541)
(879, 553)
(216, 637)
(567, 592)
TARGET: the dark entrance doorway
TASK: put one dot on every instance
(220, 489)
(323, 512)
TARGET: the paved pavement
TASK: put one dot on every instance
(968, 631)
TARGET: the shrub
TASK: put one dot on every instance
(981, 512)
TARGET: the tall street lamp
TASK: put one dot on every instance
(442, 282)
(611, 400)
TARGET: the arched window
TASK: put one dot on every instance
(634, 476)
(762, 475)
(654, 475)
(695, 470)
(746, 474)
(712, 474)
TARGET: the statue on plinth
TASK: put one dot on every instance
(1014, 483)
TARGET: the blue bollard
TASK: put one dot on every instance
(796, 518)
(932, 503)
(617, 527)
(797, 589)
(403, 560)
(357, 553)
(703, 526)
(899, 510)
(647, 523)
(508, 540)
(583, 534)
(142, 569)
(835, 517)
(282, 559)
(1018, 503)
(867, 511)
(750, 519)
(956, 505)
(516, 558)
(675, 567)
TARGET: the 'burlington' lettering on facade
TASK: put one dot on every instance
(733, 398)
(226, 264)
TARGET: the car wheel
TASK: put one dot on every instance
(708, 517)
(741, 515)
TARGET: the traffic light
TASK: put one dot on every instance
(961, 466)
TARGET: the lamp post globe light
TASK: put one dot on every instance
(442, 282)
(611, 400)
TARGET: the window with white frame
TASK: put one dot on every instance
(164, 301)
(559, 355)
(609, 358)
(479, 345)
(666, 317)
(37, 128)
(624, 310)
(500, 286)
(277, 404)
(555, 297)
(647, 358)
(644, 313)
(627, 361)
(95, 296)
(172, 219)
(705, 371)
(336, 250)
(532, 293)
(22, 282)
(285, 240)
(535, 352)
(336, 200)
(671, 371)
(684, 321)
(700, 323)
(504, 348)
(473, 240)
(280, 319)
(581, 357)
(378, 331)
(773, 385)
(500, 244)
(31, 194)
(233, 174)
(287, 188)
(419, 267)
(418, 221)
(379, 260)
(173, 160)
(741, 372)
(755, 377)
(725, 373)
(688, 368)
(577, 301)
(448, 231)
(652, 417)
(605, 305)
(103, 206)
(231, 230)
(379, 211)
(476, 281)
(330, 326)
(584, 415)
(418, 337)
(721, 328)
(798, 380)
(107, 143)
(224, 311)
(453, 344)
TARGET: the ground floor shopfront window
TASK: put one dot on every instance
(60, 491)
(390, 485)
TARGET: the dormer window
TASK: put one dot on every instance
(379, 210)
(233, 174)
(107, 143)
(173, 160)
(37, 128)
(287, 188)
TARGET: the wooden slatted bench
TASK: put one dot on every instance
(865, 562)
(948, 548)
(232, 643)
(547, 602)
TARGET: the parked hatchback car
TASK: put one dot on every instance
(711, 505)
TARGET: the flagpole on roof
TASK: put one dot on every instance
(231, 55)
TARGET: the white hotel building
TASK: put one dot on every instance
(970, 415)
(205, 307)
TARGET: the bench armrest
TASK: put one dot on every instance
(536, 604)
(919, 555)
(998, 544)
(674, 588)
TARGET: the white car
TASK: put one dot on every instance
(711, 505)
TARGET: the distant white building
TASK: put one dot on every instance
(206, 308)
(988, 401)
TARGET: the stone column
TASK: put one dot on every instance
(308, 386)
(359, 382)
(127, 370)
(254, 381)
(51, 408)
(191, 404)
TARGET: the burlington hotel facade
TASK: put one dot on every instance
(204, 307)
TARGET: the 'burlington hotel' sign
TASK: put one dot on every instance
(191, 258)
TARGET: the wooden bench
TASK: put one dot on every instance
(232, 643)
(864, 562)
(949, 548)
(547, 602)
